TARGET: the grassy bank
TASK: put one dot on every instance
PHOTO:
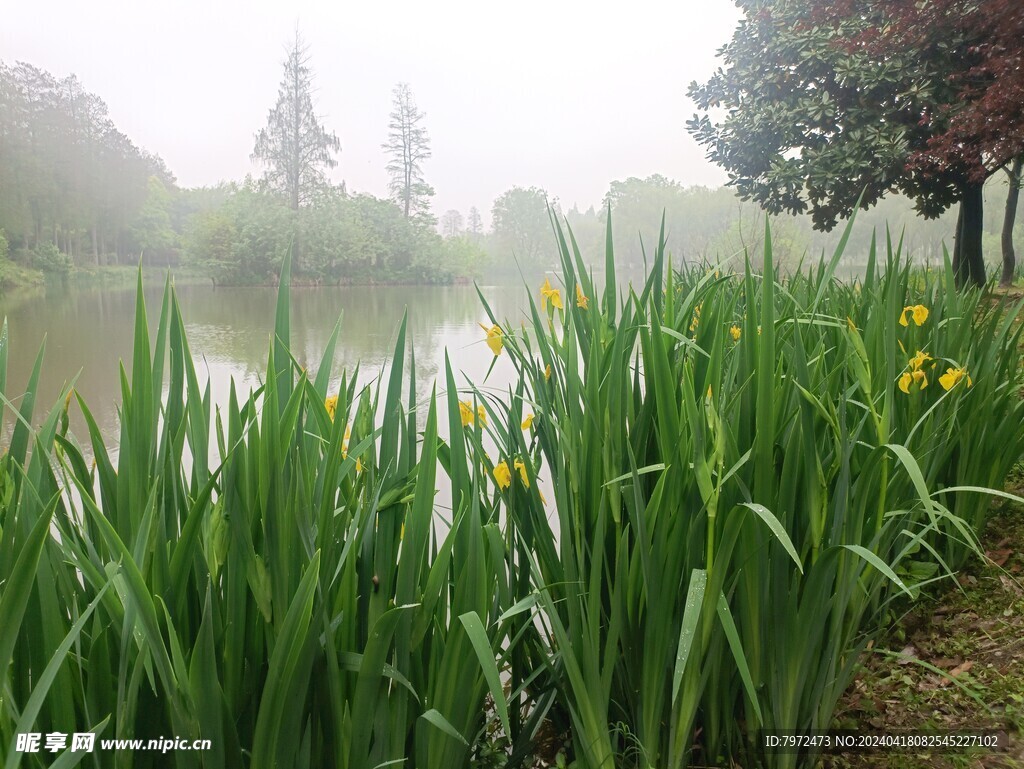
(14, 277)
(953, 660)
(749, 475)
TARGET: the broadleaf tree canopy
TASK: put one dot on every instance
(819, 102)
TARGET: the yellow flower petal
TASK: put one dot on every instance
(556, 299)
(481, 414)
(331, 404)
(736, 333)
(545, 292)
(952, 378)
(919, 360)
(521, 467)
(918, 313)
(494, 341)
(528, 422)
(905, 381)
(502, 475)
(466, 412)
(547, 372)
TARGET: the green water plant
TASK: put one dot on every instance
(267, 574)
(696, 504)
(744, 482)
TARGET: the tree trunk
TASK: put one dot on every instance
(968, 261)
(1009, 217)
(95, 246)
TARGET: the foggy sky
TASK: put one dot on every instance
(562, 95)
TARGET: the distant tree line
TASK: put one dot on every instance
(714, 225)
(76, 191)
(240, 233)
(72, 187)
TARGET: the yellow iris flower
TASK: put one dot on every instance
(911, 377)
(552, 294)
(916, 374)
(918, 361)
(918, 313)
(494, 334)
(528, 422)
(331, 404)
(502, 475)
(581, 300)
(467, 416)
(952, 378)
(736, 333)
(547, 372)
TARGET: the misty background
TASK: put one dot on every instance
(129, 132)
(564, 96)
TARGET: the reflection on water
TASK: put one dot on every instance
(89, 331)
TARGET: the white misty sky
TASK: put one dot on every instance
(561, 95)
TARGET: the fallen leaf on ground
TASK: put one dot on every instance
(999, 557)
(961, 669)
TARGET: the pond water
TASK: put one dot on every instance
(89, 331)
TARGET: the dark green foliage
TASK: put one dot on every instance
(810, 125)
(808, 116)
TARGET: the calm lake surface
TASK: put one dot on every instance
(89, 331)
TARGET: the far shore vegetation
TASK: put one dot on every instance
(77, 197)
